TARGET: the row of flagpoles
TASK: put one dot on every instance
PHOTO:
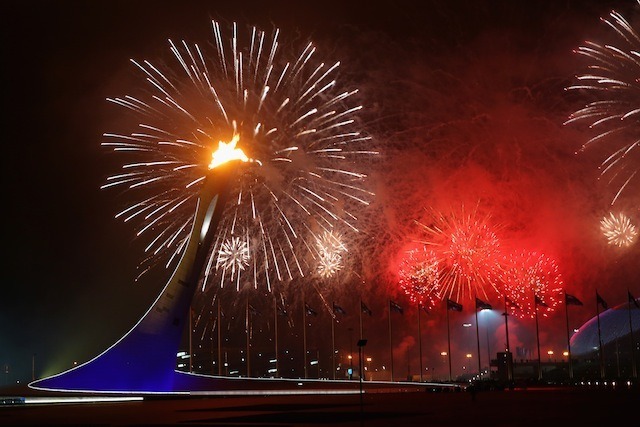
(482, 305)
(451, 305)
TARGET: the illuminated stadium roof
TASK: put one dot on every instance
(614, 324)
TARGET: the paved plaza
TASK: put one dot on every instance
(376, 407)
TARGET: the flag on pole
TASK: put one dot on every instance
(396, 307)
(310, 311)
(571, 300)
(601, 301)
(338, 309)
(539, 302)
(481, 305)
(510, 303)
(452, 305)
(365, 309)
(633, 300)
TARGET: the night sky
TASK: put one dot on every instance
(465, 101)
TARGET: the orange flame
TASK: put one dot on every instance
(227, 152)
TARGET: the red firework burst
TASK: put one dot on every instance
(531, 279)
(419, 277)
(468, 253)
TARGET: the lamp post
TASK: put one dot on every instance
(488, 352)
(361, 343)
(506, 332)
(351, 348)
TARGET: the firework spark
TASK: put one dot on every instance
(530, 275)
(330, 254)
(618, 230)
(330, 242)
(468, 253)
(420, 277)
(288, 114)
(613, 81)
(329, 264)
(233, 255)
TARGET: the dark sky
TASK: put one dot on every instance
(487, 74)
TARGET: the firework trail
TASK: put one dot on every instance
(612, 81)
(530, 275)
(286, 111)
(618, 230)
(468, 254)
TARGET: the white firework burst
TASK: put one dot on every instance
(330, 249)
(618, 230)
(612, 81)
(289, 113)
(329, 264)
(233, 255)
(330, 242)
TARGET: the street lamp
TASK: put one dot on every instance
(361, 343)
(468, 356)
(351, 348)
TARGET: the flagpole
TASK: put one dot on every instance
(351, 351)
(600, 350)
(506, 324)
(420, 341)
(617, 357)
(535, 304)
(360, 318)
(449, 343)
(211, 349)
(219, 339)
(190, 339)
(248, 326)
(333, 344)
(566, 310)
(478, 341)
(634, 371)
(304, 336)
(390, 341)
(361, 332)
(275, 330)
